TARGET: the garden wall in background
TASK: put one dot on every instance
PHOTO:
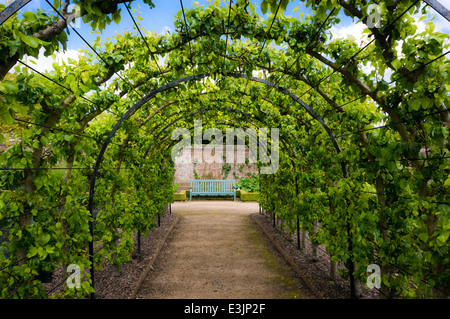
(204, 167)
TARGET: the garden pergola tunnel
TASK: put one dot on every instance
(379, 190)
(167, 86)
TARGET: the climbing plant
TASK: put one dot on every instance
(377, 195)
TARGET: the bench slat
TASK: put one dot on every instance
(212, 187)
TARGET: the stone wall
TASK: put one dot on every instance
(209, 165)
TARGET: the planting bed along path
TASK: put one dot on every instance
(217, 251)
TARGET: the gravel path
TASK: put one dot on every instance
(217, 251)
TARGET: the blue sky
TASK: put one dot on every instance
(161, 18)
(157, 19)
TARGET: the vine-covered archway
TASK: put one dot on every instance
(367, 124)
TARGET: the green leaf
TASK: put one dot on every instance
(31, 41)
(396, 64)
(33, 251)
(321, 12)
(264, 7)
(30, 16)
(423, 237)
(9, 87)
(391, 166)
(414, 104)
(5, 115)
(44, 140)
(442, 238)
(49, 249)
(429, 27)
(447, 182)
(116, 17)
(383, 85)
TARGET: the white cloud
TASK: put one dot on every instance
(44, 63)
(441, 24)
(167, 30)
(354, 30)
(257, 73)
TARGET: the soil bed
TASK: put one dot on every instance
(112, 283)
(317, 272)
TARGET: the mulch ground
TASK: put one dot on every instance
(112, 283)
(316, 272)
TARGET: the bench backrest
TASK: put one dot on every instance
(212, 186)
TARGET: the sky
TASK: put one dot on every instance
(160, 20)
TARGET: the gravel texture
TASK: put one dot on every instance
(216, 251)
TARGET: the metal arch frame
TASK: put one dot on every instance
(18, 4)
(11, 9)
(153, 93)
(172, 84)
(207, 110)
(441, 9)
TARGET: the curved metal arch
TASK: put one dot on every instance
(226, 109)
(230, 124)
(165, 87)
(11, 9)
(195, 77)
(206, 110)
(288, 149)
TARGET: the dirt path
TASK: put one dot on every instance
(217, 251)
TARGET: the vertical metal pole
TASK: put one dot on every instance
(91, 255)
(139, 241)
(159, 219)
(296, 194)
(351, 264)
(91, 230)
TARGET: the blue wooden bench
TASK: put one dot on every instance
(212, 187)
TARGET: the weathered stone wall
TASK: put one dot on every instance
(209, 165)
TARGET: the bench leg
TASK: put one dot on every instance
(190, 195)
(234, 196)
